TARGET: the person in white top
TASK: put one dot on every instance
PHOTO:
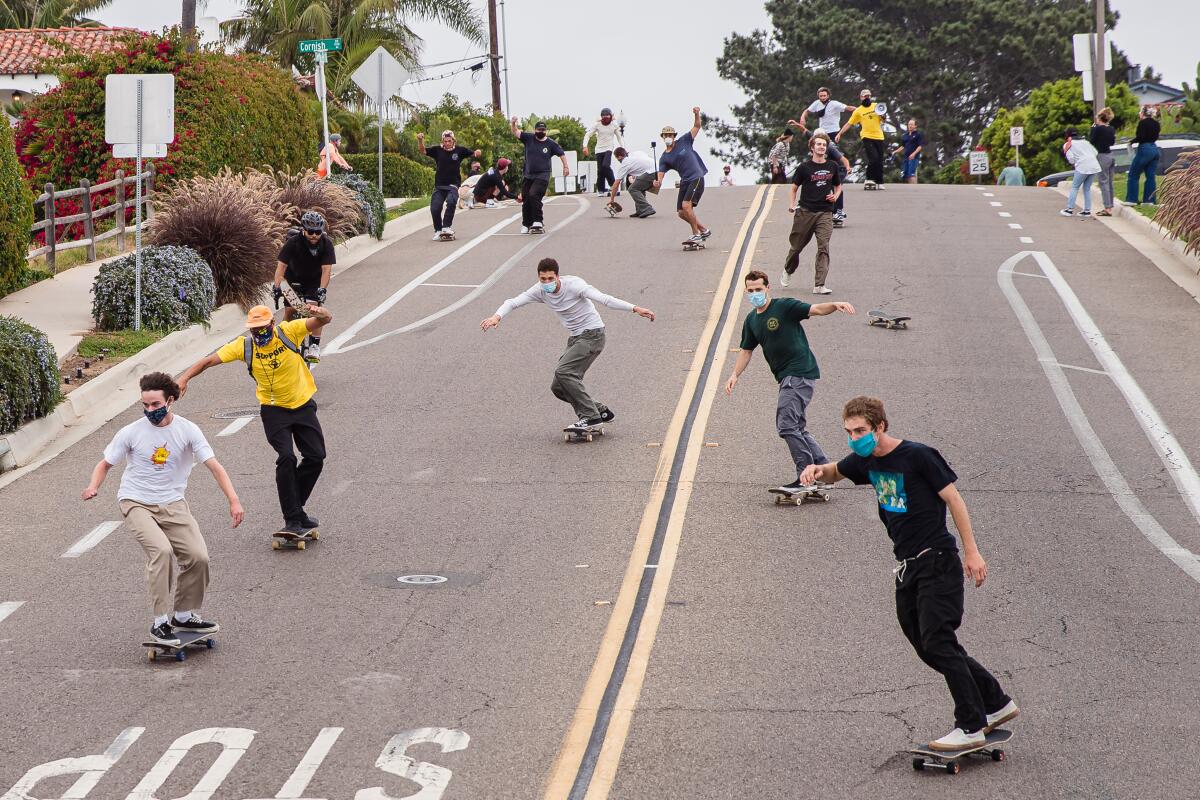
(159, 451)
(639, 169)
(726, 178)
(608, 138)
(1082, 154)
(571, 298)
(828, 111)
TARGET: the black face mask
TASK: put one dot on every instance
(540, 135)
(866, 101)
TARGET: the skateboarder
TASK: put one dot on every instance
(871, 123)
(539, 149)
(306, 262)
(914, 485)
(829, 113)
(285, 388)
(446, 180)
(818, 183)
(159, 451)
(608, 137)
(571, 298)
(639, 169)
(775, 324)
(681, 156)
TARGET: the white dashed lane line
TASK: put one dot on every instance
(9, 607)
(1026, 240)
(996, 204)
(94, 538)
(1004, 214)
(1016, 226)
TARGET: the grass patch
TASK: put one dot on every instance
(120, 344)
(77, 256)
(407, 207)
(1120, 182)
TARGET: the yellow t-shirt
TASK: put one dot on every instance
(282, 376)
(872, 125)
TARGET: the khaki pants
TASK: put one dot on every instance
(162, 530)
(806, 224)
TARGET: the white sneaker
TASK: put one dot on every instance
(537, 226)
(312, 354)
(437, 235)
(785, 280)
(822, 290)
(471, 203)
(490, 204)
(524, 229)
(1010, 711)
(1066, 212)
(447, 231)
(958, 739)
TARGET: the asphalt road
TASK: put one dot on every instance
(767, 661)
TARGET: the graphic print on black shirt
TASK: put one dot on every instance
(304, 261)
(907, 481)
(449, 164)
(538, 155)
(816, 181)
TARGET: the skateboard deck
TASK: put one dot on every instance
(285, 540)
(537, 230)
(613, 209)
(886, 320)
(928, 758)
(446, 237)
(584, 435)
(294, 300)
(837, 223)
(690, 247)
(179, 651)
(809, 494)
(870, 186)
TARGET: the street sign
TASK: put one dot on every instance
(1016, 136)
(320, 45)
(979, 163)
(121, 123)
(380, 76)
(129, 150)
(1082, 45)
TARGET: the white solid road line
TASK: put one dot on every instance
(453, 285)
(1105, 467)
(9, 607)
(94, 538)
(235, 426)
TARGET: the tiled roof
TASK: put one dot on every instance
(23, 50)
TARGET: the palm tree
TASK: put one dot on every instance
(49, 13)
(277, 27)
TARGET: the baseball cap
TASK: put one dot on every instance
(502, 163)
(541, 126)
(259, 316)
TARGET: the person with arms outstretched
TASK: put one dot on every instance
(682, 157)
(539, 149)
(447, 178)
(871, 123)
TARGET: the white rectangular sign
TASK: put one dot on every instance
(1081, 44)
(121, 109)
(129, 150)
(1016, 136)
(979, 163)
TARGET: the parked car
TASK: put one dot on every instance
(1169, 148)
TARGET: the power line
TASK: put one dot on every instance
(470, 68)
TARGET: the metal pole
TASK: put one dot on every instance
(1018, 148)
(379, 108)
(1098, 77)
(321, 56)
(504, 45)
(137, 216)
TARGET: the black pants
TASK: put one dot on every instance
(873, 149)
(293, 481)
(604, 173)
(929, 606)
(446, 196)
(778, 173)
(532, 192)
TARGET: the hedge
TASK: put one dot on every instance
(16, 215)
(370, 201)
(177, 290)
(402, 177)
(28, 374)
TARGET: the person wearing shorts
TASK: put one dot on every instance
(682, 157)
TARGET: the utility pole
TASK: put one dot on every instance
(1098, 76)
(494, 58)
(188, 24)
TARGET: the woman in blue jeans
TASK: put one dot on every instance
(1145, 158)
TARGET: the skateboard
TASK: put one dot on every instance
(947, 760)
(446, 237)
(885, 320)
(293, 299)
(537, 229)
(870, 186)
(691, 247)
(285, 540)
(584, 435)
(179, 651)
(818, 491)
(613, 209)
(837, 223)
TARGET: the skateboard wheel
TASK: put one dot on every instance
(275, 545)
(825, 498)
(180, 656)
(316, 535)
(997, 755)
(299, 545)
(918, 764)
(952, 768)
(589, 437)
(208, 643)
(152, 655)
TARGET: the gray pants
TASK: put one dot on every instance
(794, 396)
(1106, 179)
(567, 385)
(637, 190)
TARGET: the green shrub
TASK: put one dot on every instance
(402, 177)
(177, 290)
(370, 200)
(28, 374)
(16, 215)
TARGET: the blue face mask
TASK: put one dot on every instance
(549, 288)
(157, 415)
(863, 446)
(262, 338)
(757, 299)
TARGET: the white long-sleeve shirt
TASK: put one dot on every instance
(572, 303)
(1083, 155)
(635, 164)
(608, 137)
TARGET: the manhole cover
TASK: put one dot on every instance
(237, 413)
(421, 580)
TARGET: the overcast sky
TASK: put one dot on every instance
(655, 63)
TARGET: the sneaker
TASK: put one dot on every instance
(295, 528)
(995, 720)
(309, 522)
(437, 235)
(649, 213)
(695, 238)
(795, 487)
(1085, 213)
(447, 231)
(822, 290)
(312, 354)
(1067, 212)
(607, 415)
(163, 634)
(704, 234)
(958, 739)
(785, 279)
(524, 229)
(490, 204)
(838, 215)
(195, 624)
(581, 425)
(537, 226)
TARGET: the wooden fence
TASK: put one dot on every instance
(125, 197)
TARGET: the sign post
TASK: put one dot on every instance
(321, 48)
(139, 111)
(380, 77)
(1016, 137)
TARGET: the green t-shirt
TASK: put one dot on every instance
(782, 338)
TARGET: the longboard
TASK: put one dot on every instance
(928, 758)
(837, 223)
(536, 230)
(818, 491)
(691, 247)
(613, 209)
(294, 300)
(886, 320)
(870, 186)
(285, 540)
(179, 651)
(582, 435)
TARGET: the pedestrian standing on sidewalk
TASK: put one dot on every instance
(1145, 158)
(539, 149)
(1083, 156)
(682, 157)
(158, 452)
(777, 159)
(871, 131)
(330, 155)
(1102, 137)
(774, 323)
(571, 299)
(447, 177)
(638, 169)
(608, 138)
(285, 389)
(913, 487)
(911, 145)
(818, 185)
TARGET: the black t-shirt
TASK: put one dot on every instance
(304, 261)
(1147, 131)
(489, 181)
(815, 182)
(538, 155)
(907, 481)
(449, 164)
(1102, 137)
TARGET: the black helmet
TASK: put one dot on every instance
(312, 221)
(606, 112)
